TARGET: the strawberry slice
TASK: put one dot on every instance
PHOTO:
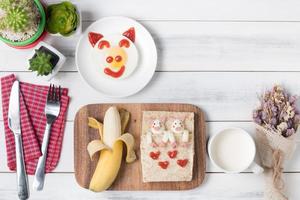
(94, 38)
(172, 154)
(130, 34)
(154, 155)
(114, 74)
(163, 164)
(182, 163)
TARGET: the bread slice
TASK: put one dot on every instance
(167, 155)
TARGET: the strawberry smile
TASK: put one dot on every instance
(114, 74)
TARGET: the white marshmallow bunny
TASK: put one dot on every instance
(178, 128)
(157, 128)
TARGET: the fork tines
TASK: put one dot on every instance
(54, 93)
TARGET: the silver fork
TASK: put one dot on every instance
(52, 110)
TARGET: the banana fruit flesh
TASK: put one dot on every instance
(110, 146)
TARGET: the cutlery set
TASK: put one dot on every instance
(52, 110)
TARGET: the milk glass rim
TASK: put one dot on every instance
(242, 131)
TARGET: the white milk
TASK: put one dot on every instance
(233, 150)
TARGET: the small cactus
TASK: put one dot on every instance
(41, 63)
(17, 19)
(18, 15)
(4, 4)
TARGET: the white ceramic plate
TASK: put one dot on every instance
(147, 59)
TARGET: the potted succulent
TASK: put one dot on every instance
(46, 61)
(22, 22)
(63, 19)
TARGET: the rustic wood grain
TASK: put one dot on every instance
(130, 175)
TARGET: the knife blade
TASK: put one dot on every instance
(14, 124)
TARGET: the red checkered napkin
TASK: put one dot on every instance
(33, 123)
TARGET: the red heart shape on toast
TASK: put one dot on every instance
(154, 155)
(172, 154)
(182, 163)
(163, 164)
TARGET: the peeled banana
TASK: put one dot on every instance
(110, 146)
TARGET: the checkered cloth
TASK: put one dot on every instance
(33, 123)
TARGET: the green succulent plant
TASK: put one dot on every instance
(41, 63)
(19, 15)
(62, 18)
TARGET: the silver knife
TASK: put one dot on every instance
(14, 124)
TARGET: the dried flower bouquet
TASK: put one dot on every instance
(277, 120)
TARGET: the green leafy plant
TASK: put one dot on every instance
(18, 15)
(62, 18)
(41, 63)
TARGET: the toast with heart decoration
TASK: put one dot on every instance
(167, 146)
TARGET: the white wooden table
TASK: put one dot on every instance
(216, 54)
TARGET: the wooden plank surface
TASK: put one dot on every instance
(213, 10)
(199, 46)
(130, 175)
(217, 186)
(223, 96)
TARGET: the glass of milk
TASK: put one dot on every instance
(233, 151)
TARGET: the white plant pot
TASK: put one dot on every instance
(79, 26)
(59, 64)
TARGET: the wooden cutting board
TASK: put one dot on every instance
(130, 175)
